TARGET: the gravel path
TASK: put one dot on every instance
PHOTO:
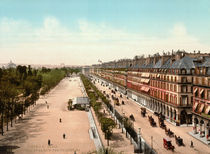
(31, 134)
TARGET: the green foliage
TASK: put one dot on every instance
(51, 78)
(25, 83)
(107, 124)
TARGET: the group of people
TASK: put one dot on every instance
(64, 135)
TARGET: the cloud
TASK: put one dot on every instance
(53, 42)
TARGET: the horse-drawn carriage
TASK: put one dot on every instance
(143, 111)
(161, 123)
(167, 144)
(169, 132)
(179, 141)
(132, 117)
(152, 121)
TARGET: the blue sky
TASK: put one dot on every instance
(80, 32)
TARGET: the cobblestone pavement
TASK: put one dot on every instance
(31, 134)
(157, 133)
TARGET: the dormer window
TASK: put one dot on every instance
(192, 71)
(201, 71)
(183, 71)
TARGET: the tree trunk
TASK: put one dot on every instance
(11, 121)
(2, 124)
(7, 123)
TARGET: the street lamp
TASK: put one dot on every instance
(139, 140)
(123, 121)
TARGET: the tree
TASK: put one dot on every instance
(107, 124)
(8, 94)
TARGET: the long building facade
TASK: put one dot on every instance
(176, 85)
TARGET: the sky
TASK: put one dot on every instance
(81, 32)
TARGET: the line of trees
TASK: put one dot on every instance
(107, 124)
(20, 87)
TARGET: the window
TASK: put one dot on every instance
(183, 71)
(171, 87)
(175, 88)
(175, 79)
(184, 100)
(202, 92)
(184, 79)
(184, 89)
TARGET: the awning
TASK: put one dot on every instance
(146, 80)
(142, 88)
(195, 106)
(201, 108)
(146, 89)
(142, 80)
(195, 90)
(145, 74)
(201, 91)
(207, 109)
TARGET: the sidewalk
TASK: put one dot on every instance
(197, 136)
(94, 132)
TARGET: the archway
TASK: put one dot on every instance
(167, 112)
(171, 114)
(195, 125)
(183, 117)
(202, 132)
(174, 114)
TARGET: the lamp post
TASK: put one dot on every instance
(151, 142)
(139, 140)
(123, 121)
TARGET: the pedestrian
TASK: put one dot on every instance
(64, 135)
(47, 106)
(191, 145)
(60, 120)
(46, 102)
(48, 142)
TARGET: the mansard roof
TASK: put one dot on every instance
(184, 63)
(158, 64)
(206, 62)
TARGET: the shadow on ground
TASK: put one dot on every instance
(7, 149)
(22, 130)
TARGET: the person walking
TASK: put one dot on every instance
(64, 135)
(48, 142)
(191, 144)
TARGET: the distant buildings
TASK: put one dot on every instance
(85, 70)
(11, 65)
(176, 85)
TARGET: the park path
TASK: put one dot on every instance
(31, 134)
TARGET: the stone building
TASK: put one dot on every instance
(201, 98)
(163, 84)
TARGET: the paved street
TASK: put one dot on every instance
(31, 134)
(147, 131)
